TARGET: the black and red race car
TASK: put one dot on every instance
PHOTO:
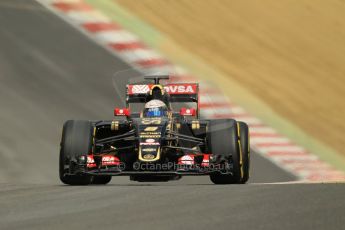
(156, 143)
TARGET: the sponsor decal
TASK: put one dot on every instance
(108, 160)
(150, 140)
(121, 112)
(170, 89)
(149, 156)
(149, 150)
(187, 112)
(149, 136)
(91, 162)
(186, 160)
(151, 128)
(139, 89)
(151, 122)
(180, 89)
(206, 160)
(153, 143)
(151, 133)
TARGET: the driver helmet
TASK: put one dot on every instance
(155, 108)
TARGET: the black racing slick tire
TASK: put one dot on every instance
(101, 179)
(243, 133)
(77, 138)
(223, 143)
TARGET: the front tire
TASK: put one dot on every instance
(223, 142)
(245, 149)
(77, 138)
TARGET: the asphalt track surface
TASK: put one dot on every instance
(49, 73)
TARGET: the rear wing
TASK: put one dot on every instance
(178, 92)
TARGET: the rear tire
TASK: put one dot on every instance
(245, 148)
(223, 143)
(77, 137)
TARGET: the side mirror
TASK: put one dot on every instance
(187, 112)
(122, 112)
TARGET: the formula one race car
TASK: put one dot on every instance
(157, 143)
